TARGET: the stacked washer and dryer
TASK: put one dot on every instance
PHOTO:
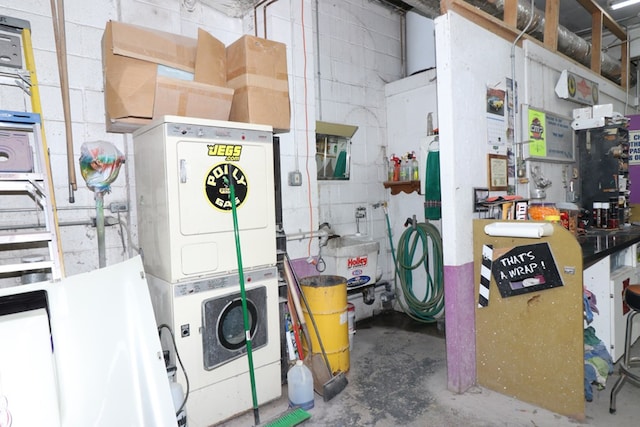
(187, 239)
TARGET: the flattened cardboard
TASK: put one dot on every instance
(152, 45)
(135, 94)
(191, 99)
(211, 60)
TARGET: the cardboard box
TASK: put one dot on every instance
(257, 70)
(149, 73)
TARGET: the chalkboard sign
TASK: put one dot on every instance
(548, 136)
(524, 269)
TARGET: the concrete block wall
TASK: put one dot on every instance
(362, 58)
(360, 51)
(84, 28)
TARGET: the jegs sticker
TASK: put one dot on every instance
(230, 152)
(218, 192)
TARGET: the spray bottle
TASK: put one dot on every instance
(395, 166)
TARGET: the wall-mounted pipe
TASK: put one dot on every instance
(264, 16)
(307, 235)
(255, 16)
(57, 16)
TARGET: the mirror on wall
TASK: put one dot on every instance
(333, 150)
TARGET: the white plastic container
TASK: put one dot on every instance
(353, 257)
(300, 386)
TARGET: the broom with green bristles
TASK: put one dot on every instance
(290, 418)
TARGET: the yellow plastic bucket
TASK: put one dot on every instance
(327, 298)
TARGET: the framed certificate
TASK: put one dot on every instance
(498, 176)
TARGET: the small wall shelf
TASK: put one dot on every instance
(405, 186)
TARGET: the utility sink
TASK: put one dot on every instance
(353, 257)
(351, 245)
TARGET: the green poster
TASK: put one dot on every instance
(537, 135)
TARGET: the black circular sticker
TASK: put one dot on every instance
(218, 191)
(572, 86)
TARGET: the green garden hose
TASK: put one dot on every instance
(423, 240)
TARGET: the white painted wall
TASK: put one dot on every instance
(465, 68)
(360, 52)
(409, 101)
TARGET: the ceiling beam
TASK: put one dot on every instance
(552, 19)
(592, 7)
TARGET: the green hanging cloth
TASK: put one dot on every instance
(341, 165)
(432, 197)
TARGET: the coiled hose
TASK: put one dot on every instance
(427, 308)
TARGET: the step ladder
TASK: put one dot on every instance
(29, 180)
(18, 69)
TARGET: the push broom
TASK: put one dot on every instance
(291, 418)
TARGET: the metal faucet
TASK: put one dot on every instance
(361, 212)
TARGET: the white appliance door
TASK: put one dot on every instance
(108, 361)
(205, 205)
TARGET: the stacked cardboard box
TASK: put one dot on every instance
(257, 71)
(149, 73)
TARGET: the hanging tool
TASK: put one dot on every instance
(57, 15)
(243, 296)
(336, 382)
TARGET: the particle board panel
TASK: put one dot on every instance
(530, 346)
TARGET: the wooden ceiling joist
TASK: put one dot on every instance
(507, 27)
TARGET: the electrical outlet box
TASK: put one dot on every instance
(116, 207)
(295, 178)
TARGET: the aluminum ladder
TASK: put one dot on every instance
(35, 184)
(18, 69)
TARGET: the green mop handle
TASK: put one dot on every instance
(243, 296)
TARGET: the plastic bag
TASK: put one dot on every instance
(100, 163)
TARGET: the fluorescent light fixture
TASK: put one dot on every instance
(621, 4)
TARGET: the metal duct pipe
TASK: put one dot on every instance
(570, 44)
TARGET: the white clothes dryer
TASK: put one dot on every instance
(210, 339)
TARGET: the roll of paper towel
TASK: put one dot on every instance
(534, 230)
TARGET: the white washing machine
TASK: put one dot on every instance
(210, 339)
(185, 226)
(183, 168)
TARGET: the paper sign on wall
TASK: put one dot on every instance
(536, 122)
(634, 147)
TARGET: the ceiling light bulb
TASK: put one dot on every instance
(624, 3)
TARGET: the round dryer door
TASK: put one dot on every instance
(223, 326)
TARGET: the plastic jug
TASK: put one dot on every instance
(300, 386)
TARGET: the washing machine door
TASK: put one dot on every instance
(223, 326)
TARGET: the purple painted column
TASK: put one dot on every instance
(460, 325)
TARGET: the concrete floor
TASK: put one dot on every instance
(398, 377)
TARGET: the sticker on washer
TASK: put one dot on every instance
(230, 152)
(218, 192)
(357, 262)
(358, 281)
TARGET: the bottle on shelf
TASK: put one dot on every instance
(415, 171)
